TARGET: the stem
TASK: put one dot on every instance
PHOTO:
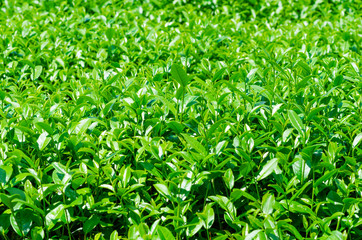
(217, 209)
(312, 191)
(206, 195)
(303, 169)
(66, 219)
(44, 209)
(178, 215)
(280, 233)
(182, 106)
(280, 182)
(286, 200)
(312, 204)
(256, 186)
(257, 190)
(339, 218)
(5, 237)
(175, 223)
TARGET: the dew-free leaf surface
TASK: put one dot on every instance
(180, 119)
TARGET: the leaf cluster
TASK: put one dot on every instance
(180, 119)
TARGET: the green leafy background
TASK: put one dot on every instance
(180, 119)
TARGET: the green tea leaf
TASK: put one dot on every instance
(327, 176)
(194, 144)
(218, 74)
(357, 140)
(5, 222)
(110, 33)
(193, 227)
(54, 216)
(45, 126)
(225, 204)
(24, 221)
(5, 174)
(164, 233)
(15, 225)
(163, 190)
(114, 235)
(301, 168)
(253, 234)
(150, 120)
(268, 204)
(37, 233)
(37, 72)
(91, 223)
(229, 178)
(179, 75)
(267, 169)
(290, 228)
(296, 121)
(43, 141)
(207, 216)
(176, 127)
(335, 235)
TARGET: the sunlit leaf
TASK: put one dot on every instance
(267, 169)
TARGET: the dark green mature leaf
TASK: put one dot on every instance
(5, 174)
(290, 228)
(91, 223)
(24, 221)
(15, 225)
(37, 233)
(194, 227)
(2, 95)
(247, 125)
(7, 200)
(5, 222)
(218, 74)
(176, 127)
(327, 176)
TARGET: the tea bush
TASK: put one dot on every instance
(180, 119)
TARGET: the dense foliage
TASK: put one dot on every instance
(180, 119)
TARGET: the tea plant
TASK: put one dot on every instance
(180, 119)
